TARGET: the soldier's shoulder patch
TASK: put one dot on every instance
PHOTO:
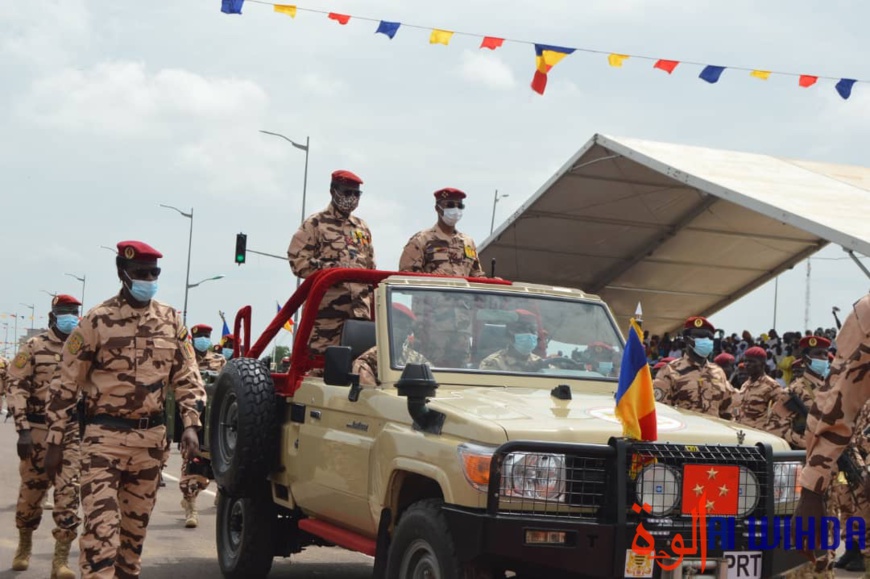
(470, 252)
(74, 343)
(182, 333)
(20, 360)
(187, 350)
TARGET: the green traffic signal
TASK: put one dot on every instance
(241, 248)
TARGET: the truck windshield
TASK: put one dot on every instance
(501, 332)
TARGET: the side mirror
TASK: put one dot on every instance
(338, 363)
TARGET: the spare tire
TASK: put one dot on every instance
(243, 432)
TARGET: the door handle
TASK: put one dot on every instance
(315, 414)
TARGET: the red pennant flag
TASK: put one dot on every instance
(807, 80)
(491, 42)
(718, 485)
(539, 82)
(666, 65)
(340, 18)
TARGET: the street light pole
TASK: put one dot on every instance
(189, 247)
(32, 313)
(218, 276)
(494, 202)
(81, 279)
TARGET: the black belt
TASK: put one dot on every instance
(143, 423)
(36, 418)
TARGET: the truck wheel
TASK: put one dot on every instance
(422, 546)
(244, 535)
(243, 433)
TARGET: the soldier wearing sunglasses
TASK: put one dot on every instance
(445, 328)
(335, 238)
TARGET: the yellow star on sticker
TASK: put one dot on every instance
(712, 473)
(723, 490)
(698, 490)
(709, 505)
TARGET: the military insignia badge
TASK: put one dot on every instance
(187, 350)
(469, 252)
(74, 343)
(813, 342)
(182, 333)
(20, 360)
(129, 253)
(699, 322)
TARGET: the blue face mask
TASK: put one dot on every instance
(820, 367)
(525, 343)
(227, 352)
(202, 343)
(605, 367)
(66, 323)
(142, 291)
(703, 347)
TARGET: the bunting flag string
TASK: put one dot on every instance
(546, 55)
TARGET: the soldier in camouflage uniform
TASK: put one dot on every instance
(192, 484)
(401, 334)
(517, 356)
(692, 382)
(832, 422)
(806, 383)
(445, 328)
(329, 239)
(4, 365)
(31, 373)
(123, 357)
(763, 403)
(852, 502)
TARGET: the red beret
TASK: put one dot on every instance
(449, 193)
(815, 342)
(137, 250)
(667, 359)
(64, 300)
(659, 365)
(346, 176)
(404, 310)
(228, 338)
(698, 322)
(755, 352)
(797, 363)
(600, 347)
(724, 358)
(200, 329)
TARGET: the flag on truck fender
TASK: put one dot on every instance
(635, 400)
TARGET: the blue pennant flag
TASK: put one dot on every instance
(844, 87)
(225, 330)
(388, 28)
(711, 73)
(232, 6)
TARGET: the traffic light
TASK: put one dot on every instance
(241, 247)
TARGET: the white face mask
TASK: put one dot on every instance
(451, 216)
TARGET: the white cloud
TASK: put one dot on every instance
(44, 33)
(320, 85)
(486, 69)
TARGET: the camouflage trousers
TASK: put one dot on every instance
(823, 567)
(35, 484)
(849, 507)
(119, 489)
(191, 484)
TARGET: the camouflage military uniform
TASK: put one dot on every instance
(507, 360)
(328, 240)
(445, 322)
(192, 484)
(366, 365)
(761, 404)
(123, 359)
(700, 388)
(3, 385)
(839, 402)
(849, 503)
(805, 388)
(31, 373)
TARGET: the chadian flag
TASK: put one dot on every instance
(225, 331)
(546, 57)
(288, 325)
(635, 401)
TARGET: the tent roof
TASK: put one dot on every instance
(683, 230)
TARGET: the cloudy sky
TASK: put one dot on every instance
(108, 109)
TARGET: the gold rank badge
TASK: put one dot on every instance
(74, 343)
(20, 360)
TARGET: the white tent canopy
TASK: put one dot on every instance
(683, 230)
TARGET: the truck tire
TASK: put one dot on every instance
(244, 534)
(422, 546)
(243, 433)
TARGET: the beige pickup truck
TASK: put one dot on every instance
(481, 462)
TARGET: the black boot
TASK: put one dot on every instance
(856, 565)
(848, 556)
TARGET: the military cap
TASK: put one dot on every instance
(228, 338)
(449, 193)
(698, 323)
(755, 352)
(200, 329)
(659, 365)
(137, 250)
(815, 342)
(724, 358)
(346, 177)
(600, 347)
(402, 309)
(64, 300)
(668, 359)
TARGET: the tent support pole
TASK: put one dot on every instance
(857, 261)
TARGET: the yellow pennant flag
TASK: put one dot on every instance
(616, 60)
(762, 74)
(440, 37)
(288, 325)
(286, 9)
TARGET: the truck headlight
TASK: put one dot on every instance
(747, 498)
(786, 488)
(658, 486)
(535, 476)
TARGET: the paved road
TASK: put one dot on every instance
(171, 551)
